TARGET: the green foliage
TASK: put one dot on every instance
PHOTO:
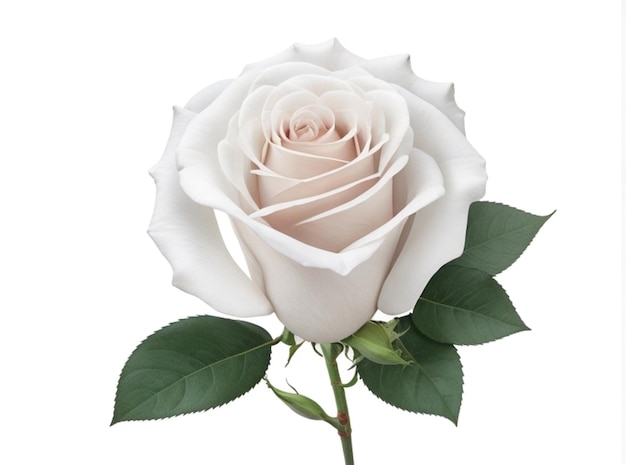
(465, 306)
(191, 365)
(496, 236)
(203, 362)
(462, 304)
(432, 383)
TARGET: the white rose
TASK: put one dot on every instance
(348, 182)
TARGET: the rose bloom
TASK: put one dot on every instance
(347, 181)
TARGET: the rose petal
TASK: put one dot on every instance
(188, 236)
(292, 189)
(207, 136)
(397, 69)
(201, 157)
(307, 206)
(330, 55)
(436, 236)
(419, 184)
(202, 180)
(338, 230)
(296, 74)
(438, 231)
(299, 165)
(332, 307)
(237, 169)
(386, 211)
(396, 121)
(202, 99)
(435, 134)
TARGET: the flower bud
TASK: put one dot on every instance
(287, 337)
(300, 404)
(374, 342)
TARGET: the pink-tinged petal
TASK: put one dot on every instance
(291, 216)
(385, 210)
(418, 185)
(308, 124)
(340, 148)
(294, 164)
(359, 168)
(339, 222)
(305, 206)
(188, 236)
(336, 228)
(316, 304)
(203, 181)
(436, 235)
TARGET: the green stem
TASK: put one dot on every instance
(343, 418)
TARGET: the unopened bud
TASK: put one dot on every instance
(300, 404)
(288, 337)
(374, 342)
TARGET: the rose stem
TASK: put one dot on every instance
(345, 430)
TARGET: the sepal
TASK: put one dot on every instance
(287, 337)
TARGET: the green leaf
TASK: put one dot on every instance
(496, 236)
(191, 365)
(465, 306)
(432, 383)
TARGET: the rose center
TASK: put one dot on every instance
(310, 123)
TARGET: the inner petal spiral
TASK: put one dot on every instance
(323, 162)
(310, 123)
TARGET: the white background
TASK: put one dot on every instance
(86, 94)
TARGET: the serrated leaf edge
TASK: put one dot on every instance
(525, 328)
(113, 421)
(519, 329)
(545, 218)
(453, 419)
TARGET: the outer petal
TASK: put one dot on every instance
(330, 55)
(397, 69)
(202, 99)
(436, 236)
(188, 236)
(316, 304)
(434, 133)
